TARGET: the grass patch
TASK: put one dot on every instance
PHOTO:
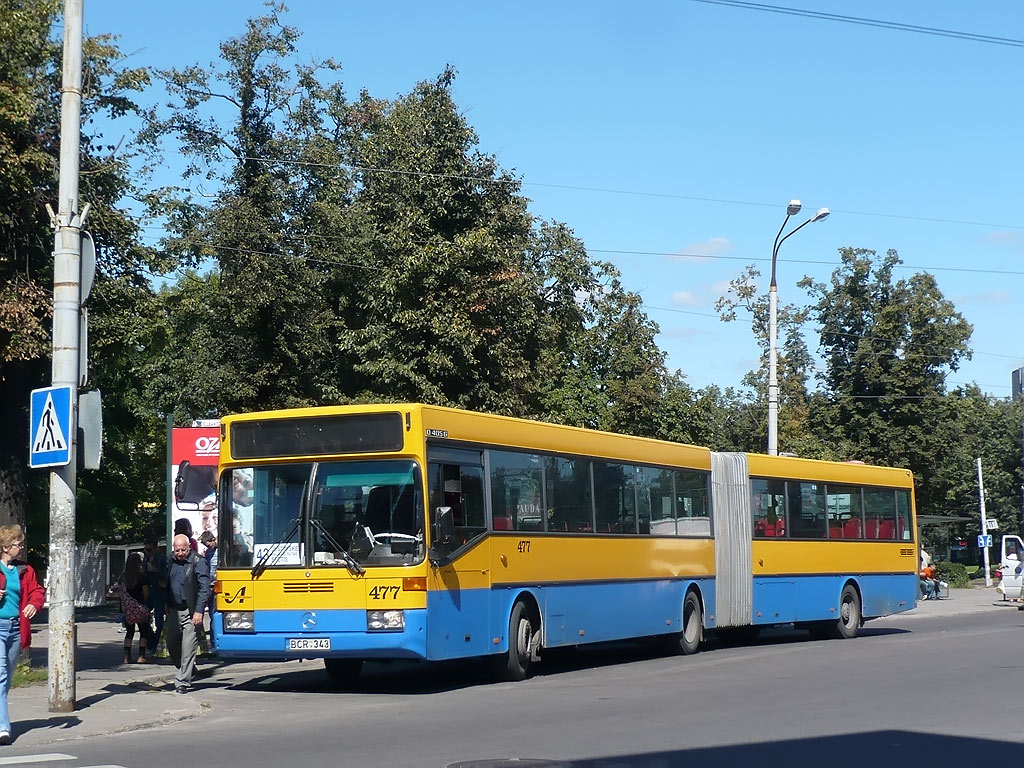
(24, 675)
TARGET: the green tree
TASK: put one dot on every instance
(30, 62)
(888, 345)
(261, 130)
(794, 361)
(447, 307)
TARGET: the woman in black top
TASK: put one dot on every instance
(134, 583)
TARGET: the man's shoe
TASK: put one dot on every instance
(181, 689)
(5, 737)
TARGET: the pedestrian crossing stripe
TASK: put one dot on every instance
(26, 759)
(50, 427)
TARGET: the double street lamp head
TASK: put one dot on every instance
(773, 307)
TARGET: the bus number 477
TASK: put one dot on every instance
(383, 592)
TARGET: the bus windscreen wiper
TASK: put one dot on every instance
(346, 558)
(261, 564)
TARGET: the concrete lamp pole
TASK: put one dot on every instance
(773, 326)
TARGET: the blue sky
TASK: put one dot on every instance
(661, 131)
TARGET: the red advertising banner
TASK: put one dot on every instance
(196, 499)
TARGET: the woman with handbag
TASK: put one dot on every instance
(134, 596)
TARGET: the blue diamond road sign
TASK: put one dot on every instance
(49, 430)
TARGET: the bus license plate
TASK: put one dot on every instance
(309, 643)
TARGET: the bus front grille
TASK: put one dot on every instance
(306, 587)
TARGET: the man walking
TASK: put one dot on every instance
(188, 592)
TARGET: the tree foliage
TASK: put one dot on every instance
(324, 250)
(30, 62)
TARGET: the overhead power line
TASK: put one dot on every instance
(615, 191)
(895, 25)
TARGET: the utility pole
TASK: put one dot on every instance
(67, 258)
(984, 525)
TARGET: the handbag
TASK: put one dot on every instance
(134, 611)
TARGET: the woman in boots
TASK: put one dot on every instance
(134, 584)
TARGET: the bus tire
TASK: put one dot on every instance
(687, 641)
(848, 623)
(343, 672)
(514, 664)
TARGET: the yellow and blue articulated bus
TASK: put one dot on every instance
(355, 533)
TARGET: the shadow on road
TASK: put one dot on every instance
(844, 751)
(411, 678)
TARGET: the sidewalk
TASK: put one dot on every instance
(112, 696)
(980, 599)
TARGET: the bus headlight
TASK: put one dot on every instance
(385, 621)
(238, 621)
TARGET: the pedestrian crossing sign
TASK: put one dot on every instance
(49, 432)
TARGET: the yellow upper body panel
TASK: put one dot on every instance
(457, 426)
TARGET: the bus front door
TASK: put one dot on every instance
(460, 590)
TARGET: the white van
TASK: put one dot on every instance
(1011, 566)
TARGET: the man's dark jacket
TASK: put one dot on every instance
(197, 583)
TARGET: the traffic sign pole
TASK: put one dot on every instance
(67, 264)
(984, 528)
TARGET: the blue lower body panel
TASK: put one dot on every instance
(346, 629)
(784, 599)
(467, 623)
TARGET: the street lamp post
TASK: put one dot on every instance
(773, 330)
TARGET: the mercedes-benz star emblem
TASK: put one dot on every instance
(308, 620)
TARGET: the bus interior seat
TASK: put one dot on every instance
(404, 517)
(835, 532)
(871, 528)
(886, 529)
(851, 528)
(378, 509)
(503, 523)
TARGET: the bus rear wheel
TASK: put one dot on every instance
(848, 623)
(343, 672)
(514, 664)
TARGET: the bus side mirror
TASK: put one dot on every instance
(443, 533)
(181, 481)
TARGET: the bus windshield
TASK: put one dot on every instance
(329, 513)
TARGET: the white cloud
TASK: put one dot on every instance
(687, 334)
(685, 299)
(988, 297)
(708, 249)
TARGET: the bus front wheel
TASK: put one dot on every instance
(343, 672)
(514, 664)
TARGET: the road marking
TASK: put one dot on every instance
(35, 759)
(105, 765)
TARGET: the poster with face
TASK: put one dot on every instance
(241, 512)
(195, 492)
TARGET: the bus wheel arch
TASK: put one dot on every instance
(524, 638)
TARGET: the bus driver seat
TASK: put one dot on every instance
(378, 509)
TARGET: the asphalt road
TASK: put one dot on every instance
(932, 691)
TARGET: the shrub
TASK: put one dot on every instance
(954, 574)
